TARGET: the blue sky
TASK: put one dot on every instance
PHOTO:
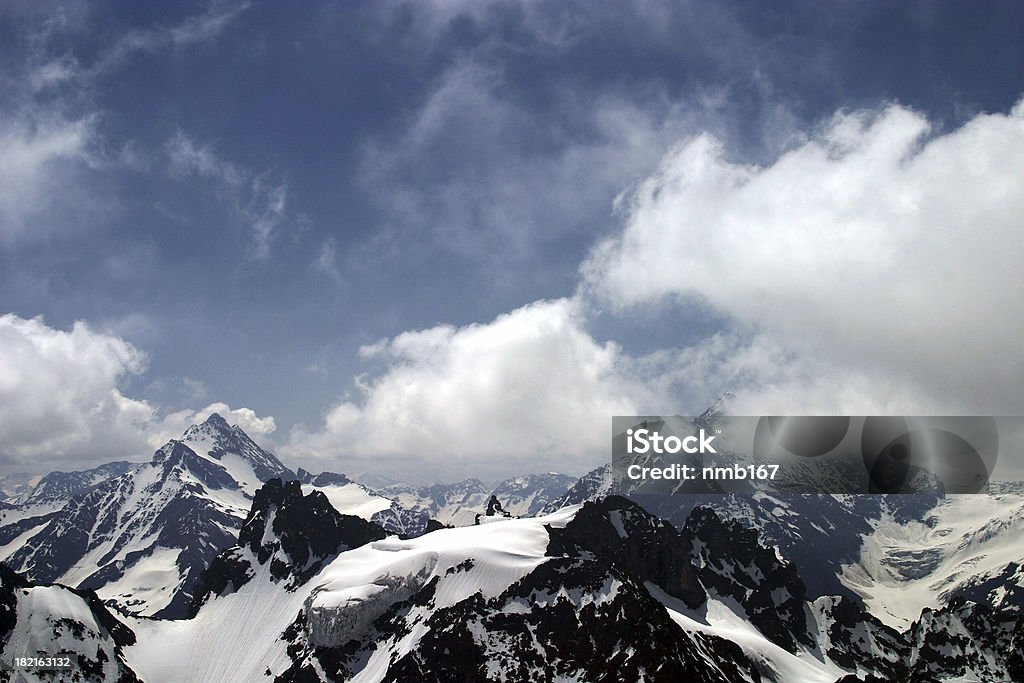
(438, 239)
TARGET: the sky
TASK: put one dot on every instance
(432, 240)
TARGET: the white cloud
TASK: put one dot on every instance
(192, 31)
(257, 202)
(773, 378)
(850, 268)
(38, 155)
(512, 394)
(62, 405)
(59, 391)
(887, 259)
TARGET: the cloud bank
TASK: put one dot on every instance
(875, 249)
(62, 402)
(530, 389)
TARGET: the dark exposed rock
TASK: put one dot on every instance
(305, 533)
(11, 531)
(969, 640)
(572, 618)
(406, 523)
(855, 640)
(733, 563)
(624, 534)
(799, 525)
(10, 581)
(322, 479)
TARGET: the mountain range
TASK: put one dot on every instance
(215, 562)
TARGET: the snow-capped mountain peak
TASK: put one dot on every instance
(143, 538)
(216, 439)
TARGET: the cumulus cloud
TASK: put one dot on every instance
(258, 202)
(59, 390)
(512, 394)
(62, 404)
(880, 253)
(872, 268)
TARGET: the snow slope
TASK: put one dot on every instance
(720, 618)
(50, 620)
(205, 648)
(351, 499)
(907, 566)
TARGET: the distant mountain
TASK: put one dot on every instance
(17, 484)
(58, 487)
(594, 485)
(527, 495)
(353, 498)
(456, 504)
(459, 503)
(24, 516)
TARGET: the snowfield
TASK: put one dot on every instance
(354, 588)
(905, 568)
(351, 499)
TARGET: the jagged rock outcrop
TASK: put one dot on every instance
(733, 563)
(622, 533)
(293, 534)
